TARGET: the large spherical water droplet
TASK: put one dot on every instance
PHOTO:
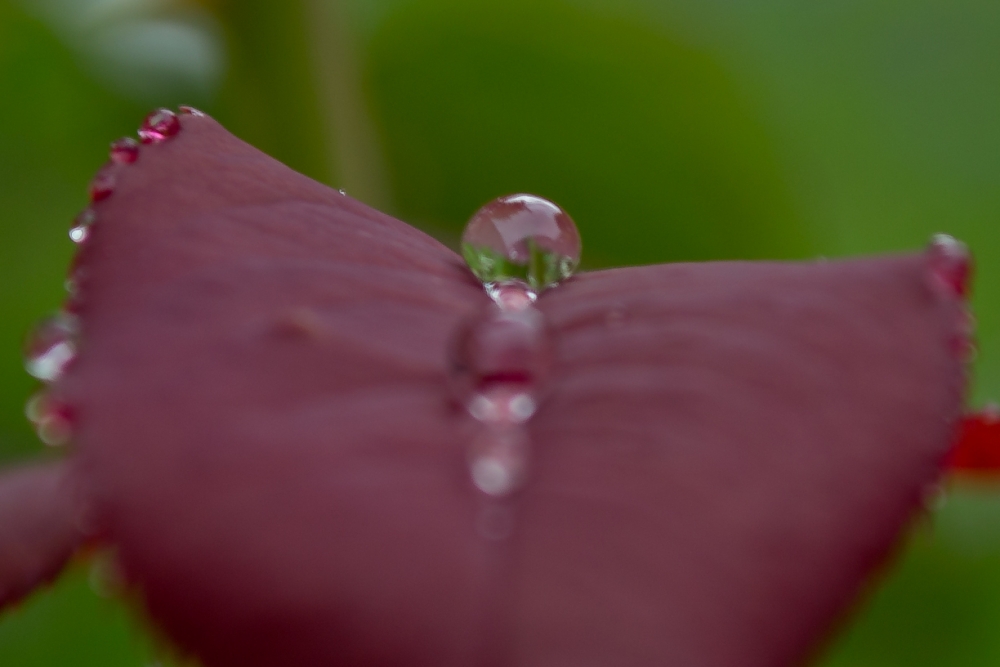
(124, 150)
(81, 225)
(498, 460)
(950, 266)
(50, 347)
(521, 237)
(500, 348)
(159, 126)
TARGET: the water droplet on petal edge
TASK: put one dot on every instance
(103, 185)
(53, 419)
(159, 126)
(80, 230)
(124, 150)
(51, 347)
(949, 265)
(521, 237)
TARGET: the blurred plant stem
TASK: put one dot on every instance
(351, 138)
(297, 99)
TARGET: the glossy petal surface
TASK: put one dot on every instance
(725, 452)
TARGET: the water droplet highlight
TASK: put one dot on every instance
(521, 237)
(103, 185)
(80, 230)
(159, 126)
(512, 295)
(950, 266)
(50, 347)
(191, 111)
(124, 150)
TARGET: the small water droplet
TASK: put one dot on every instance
(159, 126)
(950, 266)
(54, 420)
(498, 460)
(50, 347)
(103, 185)
(501, 347)
(81, 225)
(512, 295)
(521, 237)
(342, 191)
(124, 150)
(191, 111)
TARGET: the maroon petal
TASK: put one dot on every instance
(729, 449)
(726, 452)
(38, 527)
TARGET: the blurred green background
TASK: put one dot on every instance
(669, 129)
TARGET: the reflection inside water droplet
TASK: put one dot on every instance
(159, 126)
(124, 151)
(521, 237)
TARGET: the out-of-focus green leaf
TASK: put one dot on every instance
(646, 142)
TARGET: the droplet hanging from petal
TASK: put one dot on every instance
(50, 347)
(124, 151)
(949, 265)
(80, 230)
(521, 237)
(54, 420)
(103, 184)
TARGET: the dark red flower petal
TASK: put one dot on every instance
(38, 527)
(977, 447)
(726, 452)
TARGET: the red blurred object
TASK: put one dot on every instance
(977, 447)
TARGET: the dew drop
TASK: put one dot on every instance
(191, 111)
(499, 347)
(159, 126)
(342, 191)
(103, 185)
(80, 230)
(54, 420)
(50, 347)
(521, 237)
(124, 150)
(950, 266)
(498, 460)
